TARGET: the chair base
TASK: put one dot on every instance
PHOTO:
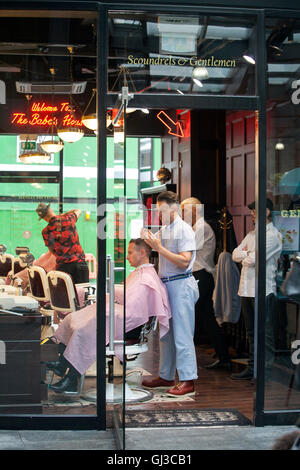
(114, 394)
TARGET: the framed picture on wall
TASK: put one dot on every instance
(289, 229)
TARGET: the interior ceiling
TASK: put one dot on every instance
(33, 42)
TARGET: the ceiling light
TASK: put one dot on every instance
(145, 110)
(34, 157)
(200, 73)
(52, 146)
(279, 146)
(90, 121)
(70, 134)
(249, 59)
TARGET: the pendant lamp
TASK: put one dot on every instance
(52, 145)
(75, 133)
(90, 119)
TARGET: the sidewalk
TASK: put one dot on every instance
(195, 438)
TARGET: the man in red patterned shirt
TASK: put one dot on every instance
(61, 238)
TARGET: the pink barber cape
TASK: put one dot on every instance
(146, 296)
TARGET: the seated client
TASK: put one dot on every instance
(46, 261)
(146, 296)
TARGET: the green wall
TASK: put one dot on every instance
(80, 181)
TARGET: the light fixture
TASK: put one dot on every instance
(90, 119)
(248, 58)
(35, 156)
(200, 73)
(145, 110)
(73, 133)
(52, 145)
(70, 134)
(279, 145)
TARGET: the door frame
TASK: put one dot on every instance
(254, 103)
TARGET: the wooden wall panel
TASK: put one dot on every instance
(240, 164)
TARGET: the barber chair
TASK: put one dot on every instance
(39, 290)
(64, 300)
(64, 297)
(114, 392)
(133, 349)
(62, 293)
(6, 262)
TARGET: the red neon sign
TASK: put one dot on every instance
(42, 115)
(175, 128)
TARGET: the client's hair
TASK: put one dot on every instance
(167, 196)
(142, 244)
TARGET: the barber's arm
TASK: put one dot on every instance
(273, 247)
(182, 259)
(241, 252)
(77, 212)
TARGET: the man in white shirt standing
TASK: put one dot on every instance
(245, 254)
(204, 271)
(176, 249)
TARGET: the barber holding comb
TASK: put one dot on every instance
(176, 249)
(62, 240)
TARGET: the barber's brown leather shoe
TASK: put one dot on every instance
(182, 388)
(157, 382)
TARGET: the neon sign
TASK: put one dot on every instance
(175, 128)
(42, 115)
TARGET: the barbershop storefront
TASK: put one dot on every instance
(95, 99)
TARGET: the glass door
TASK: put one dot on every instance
(116, 268)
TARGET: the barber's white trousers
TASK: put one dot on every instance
(177, 349)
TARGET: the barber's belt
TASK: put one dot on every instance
(176, 277)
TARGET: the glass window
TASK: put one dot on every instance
(48, 156)
(164, 53)
(282, 369)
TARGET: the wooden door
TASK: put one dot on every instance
(240, 169)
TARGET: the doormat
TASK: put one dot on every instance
(185, 418)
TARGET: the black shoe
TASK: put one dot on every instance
(56, 367)
(245, 375)
(66, 384)
(219, 365)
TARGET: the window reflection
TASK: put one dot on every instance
(283, 188)
(153, 53)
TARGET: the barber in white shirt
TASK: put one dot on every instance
(245, 254)
(176, 248)
(204, 271)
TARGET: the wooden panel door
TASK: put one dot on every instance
(240, 169)
(169, 157)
